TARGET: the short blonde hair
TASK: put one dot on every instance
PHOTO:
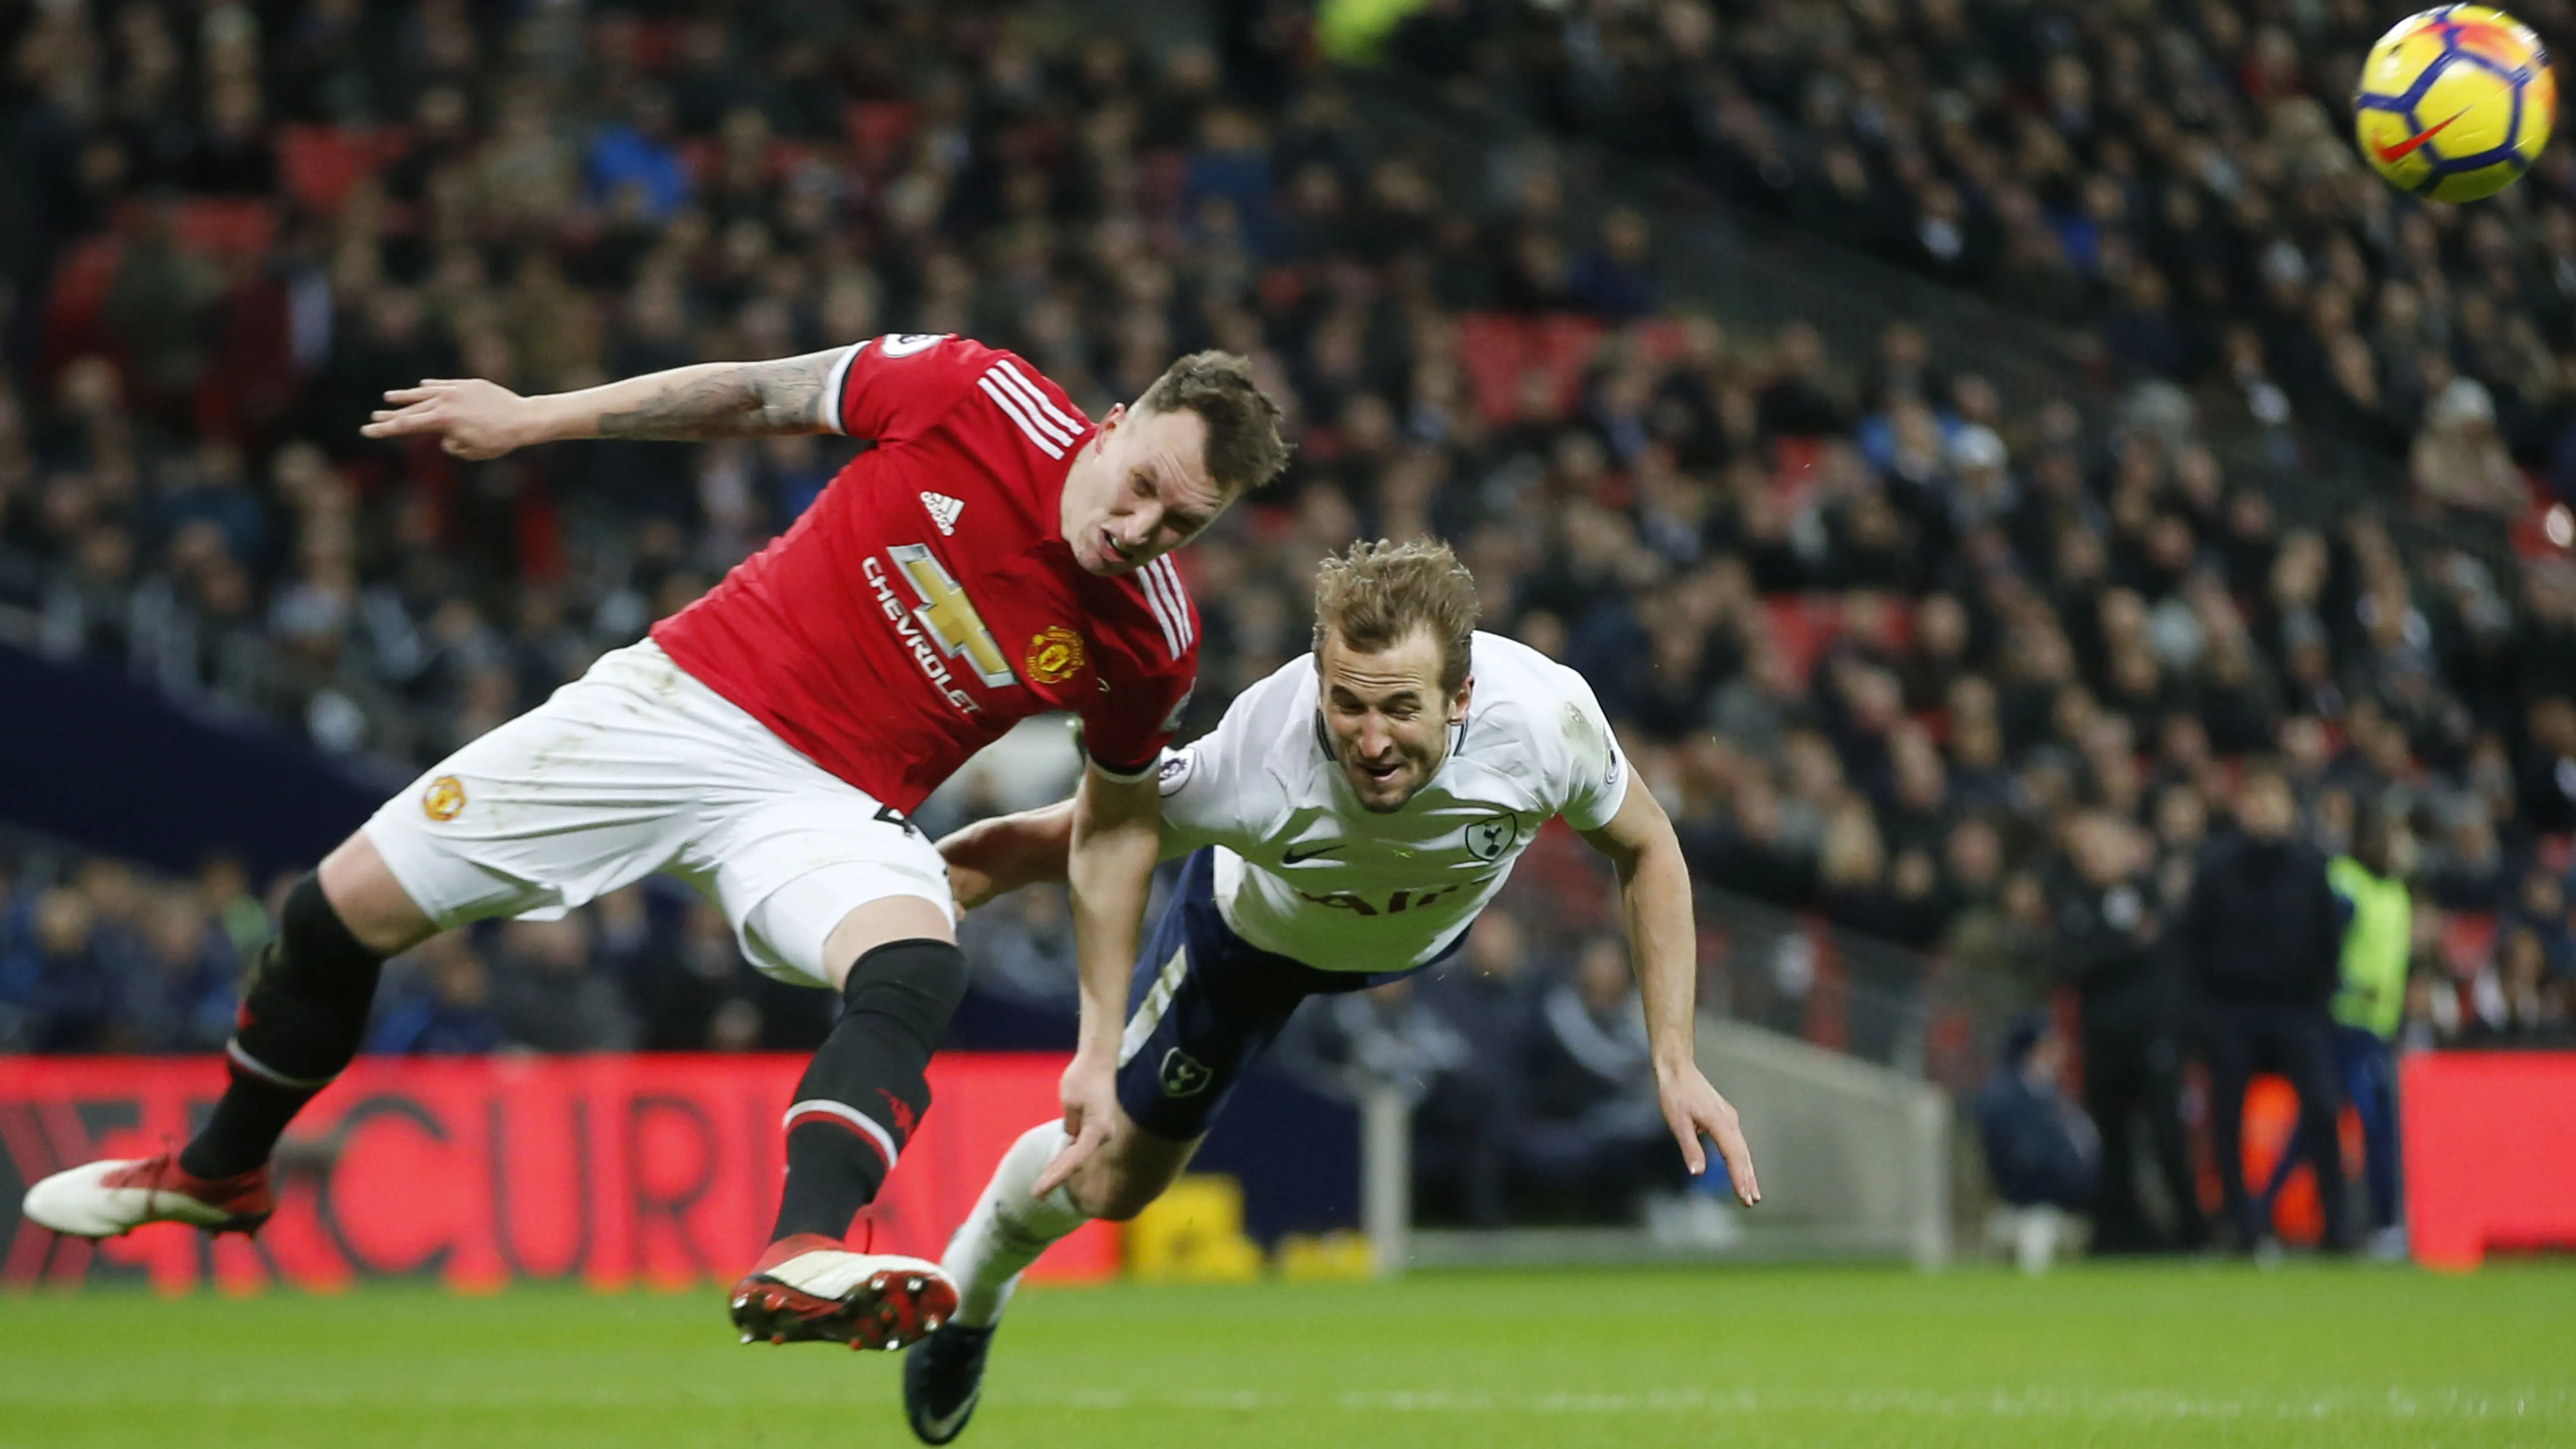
(1377, 594)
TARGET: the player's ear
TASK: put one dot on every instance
(1458, 701)
(1110, 420)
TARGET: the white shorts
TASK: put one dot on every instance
(637, 767)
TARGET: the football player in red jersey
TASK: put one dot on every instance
(994, 556)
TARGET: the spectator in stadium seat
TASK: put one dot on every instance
(2262, 936)
(1748, 849)
(438, 1003)
(181, 995)
(1616, 279)
(65, 976)
(2040, 1149)
(1468, 1117)
(547, 996)
(1399, 1037)
(2466, 868)
(639, 153)
(2547, 769)
(2459, 460)
(1591, 1136)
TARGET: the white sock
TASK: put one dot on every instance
(1009, 1229)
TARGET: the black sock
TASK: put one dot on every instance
(866, 1090)
(302, 1017)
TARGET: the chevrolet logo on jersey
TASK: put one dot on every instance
(950, 616)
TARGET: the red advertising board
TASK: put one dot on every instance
(609, 1170)
(2489, 1151)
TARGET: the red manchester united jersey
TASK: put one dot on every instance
(925, 603)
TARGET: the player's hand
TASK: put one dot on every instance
(1090, 1092)
(470, 418)
(1692, 1107)
(970, 886)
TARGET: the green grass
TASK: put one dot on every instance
(2307, 1355)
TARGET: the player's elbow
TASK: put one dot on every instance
(1107, 810)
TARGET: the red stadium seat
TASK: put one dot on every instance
(878, 132)
(1489, 353)
(321, 165)
(1785, 619)
(2556, 853)
(80, 289)
(2468, 941)
(1500, 353)
(228, 226)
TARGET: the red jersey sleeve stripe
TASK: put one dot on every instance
(1036, 395)
(1046, 442)
(839, 380)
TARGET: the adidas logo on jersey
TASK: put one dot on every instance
(943, 511)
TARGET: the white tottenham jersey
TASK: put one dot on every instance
(1304, 872)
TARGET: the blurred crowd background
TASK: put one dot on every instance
(1917, 656)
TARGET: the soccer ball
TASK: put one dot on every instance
(2455, 103)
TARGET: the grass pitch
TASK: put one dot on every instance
(2320, 1355)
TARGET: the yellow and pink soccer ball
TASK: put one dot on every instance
(2455, 103)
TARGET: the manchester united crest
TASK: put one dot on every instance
(1055, 655)
(444, 800)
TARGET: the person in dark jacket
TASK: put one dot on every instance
(2040, 1150)
(1590, 1120)
(2262, 936)
(2131, 999)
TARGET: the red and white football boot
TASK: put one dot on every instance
(808, 1287)
(103, 1199)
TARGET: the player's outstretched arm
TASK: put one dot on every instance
(1654, 890)
(1117, 836)
(473, 418)
(997, 856)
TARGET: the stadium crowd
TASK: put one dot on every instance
(1884, 639)
(2178, 180)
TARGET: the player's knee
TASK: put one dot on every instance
(1125, 1177)
(358, 889)
(1120, 1198)
(916, 984)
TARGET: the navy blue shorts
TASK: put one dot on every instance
(1204, 1005)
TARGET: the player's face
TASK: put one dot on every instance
(1387, 715)
(1141, 490)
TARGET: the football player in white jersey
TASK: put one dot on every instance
(1343, 826)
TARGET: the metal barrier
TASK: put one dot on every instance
(1800, 975)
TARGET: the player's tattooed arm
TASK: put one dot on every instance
(473, 418)
(722, 400)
